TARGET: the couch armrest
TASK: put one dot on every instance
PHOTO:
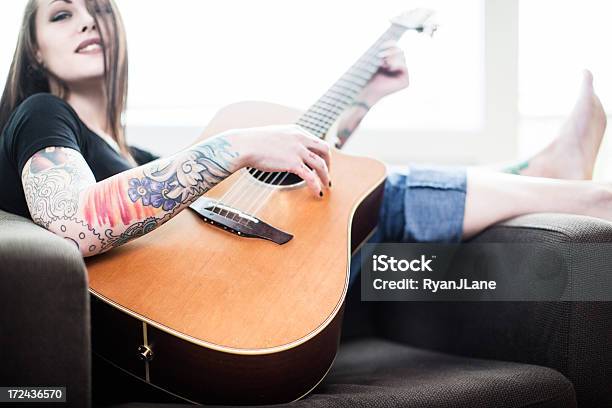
(574, 338)
(44, 311)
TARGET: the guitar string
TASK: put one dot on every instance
(364, 65)
(354, 92)
(238, 187)
(313, 127)
(225, 198)
(246, 176)
(366, 60)
(269, 185)
(239, 190)
(251, 188)
(259, 202)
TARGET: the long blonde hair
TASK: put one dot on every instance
(27, 77)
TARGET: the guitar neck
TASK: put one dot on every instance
(319, 118)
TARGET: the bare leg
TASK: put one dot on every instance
(573, 153)
(493, 197)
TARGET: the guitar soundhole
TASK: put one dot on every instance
(275, 178)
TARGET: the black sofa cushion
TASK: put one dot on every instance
(574, 338)
(44, 312)
(373, 372)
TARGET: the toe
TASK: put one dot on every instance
(587, 78)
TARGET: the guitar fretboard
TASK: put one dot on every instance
(324, 112)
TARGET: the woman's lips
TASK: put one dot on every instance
(90, 49)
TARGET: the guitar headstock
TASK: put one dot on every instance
(420, 19)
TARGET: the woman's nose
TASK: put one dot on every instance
(88, 23)
(88, 27)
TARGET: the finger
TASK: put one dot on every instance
(396, 63)
(310, 177)
(319, 147)
(389, 52)
(317, 163)
(392, 59)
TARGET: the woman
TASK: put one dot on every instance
(64, 160)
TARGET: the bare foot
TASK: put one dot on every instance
(573, 153)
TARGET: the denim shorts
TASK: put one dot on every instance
(420, 204)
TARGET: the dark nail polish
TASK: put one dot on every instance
(330, 183)
(320, 194)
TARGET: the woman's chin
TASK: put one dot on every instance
(86, 79)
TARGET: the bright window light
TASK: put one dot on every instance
(557, 39)
(188, 58)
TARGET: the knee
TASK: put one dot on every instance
(600, 195)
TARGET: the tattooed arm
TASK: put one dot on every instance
(63, 196)
(350, 120)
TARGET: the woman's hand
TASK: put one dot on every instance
(391, 77)
(284, 148)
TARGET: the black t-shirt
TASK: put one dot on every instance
(44, 120)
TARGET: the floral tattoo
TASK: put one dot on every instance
(175, 183)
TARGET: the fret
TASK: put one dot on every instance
(340, 101)
(328, 103)
(365, 71)
(323, 124)
(319, 132)
(335, 109)
(368, 67)
(315, 122)
(322, 112)
(355, 74)
(312, 121)
(348, 85)
(339, 87)
(331, 112)
(329, 107)
(318, 120)
(359, 84)
(330, 116)
(371, 64)
(302, 121)
(344, 89)
(338, 92)
(314, 131)
(329, 97)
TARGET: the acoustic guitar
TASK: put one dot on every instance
(239, 299)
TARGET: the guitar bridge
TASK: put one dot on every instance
(237, 222)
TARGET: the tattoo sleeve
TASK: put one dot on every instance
(64, 197)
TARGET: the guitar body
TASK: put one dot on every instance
(218, 318)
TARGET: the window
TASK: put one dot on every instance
(556, 41)
(290, 52)
(189, 58)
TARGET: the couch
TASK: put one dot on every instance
(392, 354)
